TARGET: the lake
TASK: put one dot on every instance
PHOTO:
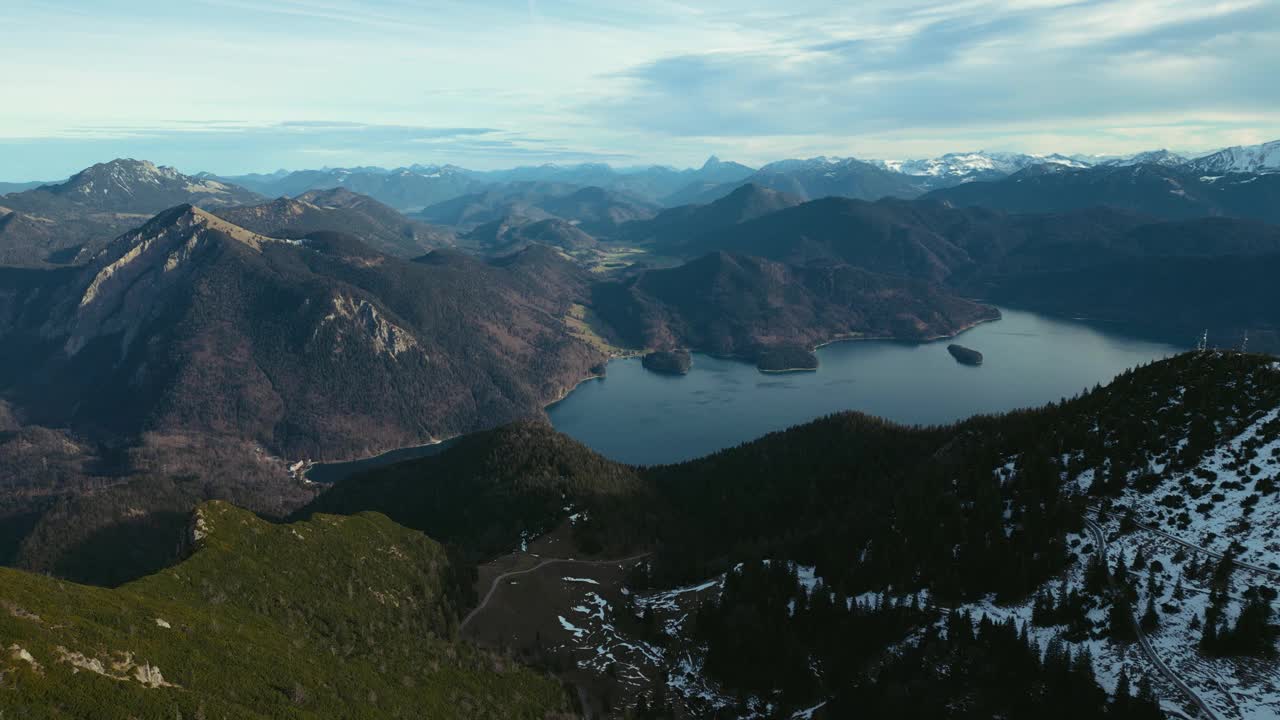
(640, 417)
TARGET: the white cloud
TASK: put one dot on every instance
(667, 81)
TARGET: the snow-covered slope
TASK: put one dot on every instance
(1249, 158)
(1193, 514)
(975, 164)
(1174, 527)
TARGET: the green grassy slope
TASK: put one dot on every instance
(338, 617)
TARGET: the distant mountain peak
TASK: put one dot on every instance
(977, 163)
(1264, 158)
(141, 186)
(1151, 157)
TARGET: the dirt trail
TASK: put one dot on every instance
(1206, 712)
(497, 582)
(1192, 546)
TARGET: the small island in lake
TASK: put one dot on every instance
(669, 362)
(786, 359)
(964, 355)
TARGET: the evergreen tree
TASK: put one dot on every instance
(1150, 618)
(1120, 620)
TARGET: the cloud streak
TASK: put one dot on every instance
(1029, 68)
(495, 82)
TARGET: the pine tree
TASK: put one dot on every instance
(1150, 619)
(1120, 620)
(1209, 639)
(1122, 687)
(1146, 692)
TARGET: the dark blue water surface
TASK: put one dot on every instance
(640, 417)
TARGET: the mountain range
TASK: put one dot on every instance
(179, 324)
(340, 210)
(58, 223)
(418, 186)
(594, 209)
(175, 350)
(63, 223)
(1158, 190)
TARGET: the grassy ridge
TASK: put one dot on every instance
(337, 617)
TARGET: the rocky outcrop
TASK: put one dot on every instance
(385, 336)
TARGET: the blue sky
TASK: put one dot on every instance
(246, 85)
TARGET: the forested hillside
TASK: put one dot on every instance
(871, 530)
(338, 617)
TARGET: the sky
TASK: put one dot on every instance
(236, 86)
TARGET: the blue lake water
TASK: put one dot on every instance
(640, 417)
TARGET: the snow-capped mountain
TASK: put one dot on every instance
(1248, 158)
(1151, 157)
(976, 164)
(126, 185)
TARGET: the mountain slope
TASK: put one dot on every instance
(837, 550)
(130, 186)
(598, 211)
(595, 209)
(58, 223)
(340, 210)
(514, 233)
(824, 177)
(894, 238)
(494, 204)
(1151, 157)
(15, 187)
(489, 489)
(314, 347)
(405, 189)
(337, 617)
(655, 184)
(1171, 277)
(1240, 159)
(745, 306)
(678, 226)
(1160, 191)
(955, 168)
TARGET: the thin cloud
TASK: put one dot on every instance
(234, 85)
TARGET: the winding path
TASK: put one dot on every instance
(1206, 712)
(553, 561)
(1191, 546)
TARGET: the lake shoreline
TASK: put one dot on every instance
(854, 337)
(640, 418)
(560, 397)
(309, 465)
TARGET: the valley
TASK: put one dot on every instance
(587, 360)
(668, 459)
